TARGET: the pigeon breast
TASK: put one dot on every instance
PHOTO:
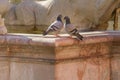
(69, 28)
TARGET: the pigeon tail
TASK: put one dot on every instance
(46, 32)
(80, 37)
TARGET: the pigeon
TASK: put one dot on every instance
(55, 27)
(71, 29)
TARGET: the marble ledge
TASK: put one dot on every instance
(64, 40)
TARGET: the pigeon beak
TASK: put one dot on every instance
(64, 18)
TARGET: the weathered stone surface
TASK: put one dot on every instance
(115, 61)
(4, 6)
(31, 71)
(29, 12)
(4, 70)
(85, 15)
(115, 67)
(34, 57)
(90, 69)
(83, 50)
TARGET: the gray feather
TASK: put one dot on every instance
(71, 29)
(55, 27)
(79, 37)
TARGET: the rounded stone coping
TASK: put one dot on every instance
(90, 38)
(64, 40)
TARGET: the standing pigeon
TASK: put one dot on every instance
(71, 29)
(55, 27)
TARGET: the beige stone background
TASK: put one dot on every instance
(84, 14)
(111, 23)
(20, 17)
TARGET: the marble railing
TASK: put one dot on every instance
(34, 57)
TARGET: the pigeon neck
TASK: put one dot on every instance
(59, 19)
(68, 21)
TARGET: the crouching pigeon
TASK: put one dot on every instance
(71, 29)
(55, 27)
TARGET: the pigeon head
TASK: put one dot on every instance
(67, 19)
(59, 17)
